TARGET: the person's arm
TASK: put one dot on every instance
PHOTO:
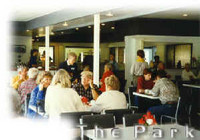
(140, 85)
(155, 91)
(95, 90)
(98, 105)
(192, 74)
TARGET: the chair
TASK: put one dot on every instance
(28, 96)
(74, 117)
(118, 114)
(131, 97)
(131, 119)
(172, 117)
(101, 121)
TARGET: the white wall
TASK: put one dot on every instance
(22, 40)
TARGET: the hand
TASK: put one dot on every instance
(141, 90)
(41, 86)
(91, 84)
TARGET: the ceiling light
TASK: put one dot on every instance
(103, 24)
(112, 27)
(41, 29)
(62, 32)
(65, 24)
(78, 28)
(27, 30)
(185, 15)
(109, 14)
(89, 26)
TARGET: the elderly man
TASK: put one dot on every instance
(187, 74)
(28, 85)
(86, 88)
(168, 94)
(70, 66)
(21, 77)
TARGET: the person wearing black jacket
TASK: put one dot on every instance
(71, 67)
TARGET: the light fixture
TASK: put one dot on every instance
(41, 29)
(103, 24)
(185, 15)
(52, 33)
(109, 14)
(112, 27)
(65, 24)
(89, 26)
(62, 32)
(77, 29)
(27, 30)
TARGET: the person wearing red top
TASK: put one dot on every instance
(144, 82)
(107, 72)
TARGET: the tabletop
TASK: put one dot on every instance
(192, 86)
(145, 95)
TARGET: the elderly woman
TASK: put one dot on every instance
(60, 97)
(86, 88)
(107, 73)
(138, 67)
(21, 77)
(38, 94)
(112, 98)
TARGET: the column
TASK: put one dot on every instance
(96, 49)
(47, 48)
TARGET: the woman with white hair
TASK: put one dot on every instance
(28, 85)
(60, 97)
(111, 98)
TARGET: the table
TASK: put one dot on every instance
(127, 133)
(192, 86)
(145, 95)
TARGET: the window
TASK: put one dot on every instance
(178, 52)
(51, 53)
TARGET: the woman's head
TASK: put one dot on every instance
(140, 53)
(62, 77)
(147, 74)
(161, 74)
(112, 83)
(44, 78)
(108, 67)
(86, 77)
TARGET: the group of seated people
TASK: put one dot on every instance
(64, 92)
(52, 95)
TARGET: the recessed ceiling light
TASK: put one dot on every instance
(109, 14)
(62, 32)
(77, 29)
(89, 26)
(65, 24)
(41, 29)
(27, 30)
(112, 27)
(185, 15)
(103, 24)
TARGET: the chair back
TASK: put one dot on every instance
(73, 117)
(131, 119)
(118, 114)
(28, 96)
(101, 121)
(131, 96)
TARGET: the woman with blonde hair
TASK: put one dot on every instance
(112, 98)
(61, 97)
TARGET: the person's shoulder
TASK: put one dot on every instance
(140, 78)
